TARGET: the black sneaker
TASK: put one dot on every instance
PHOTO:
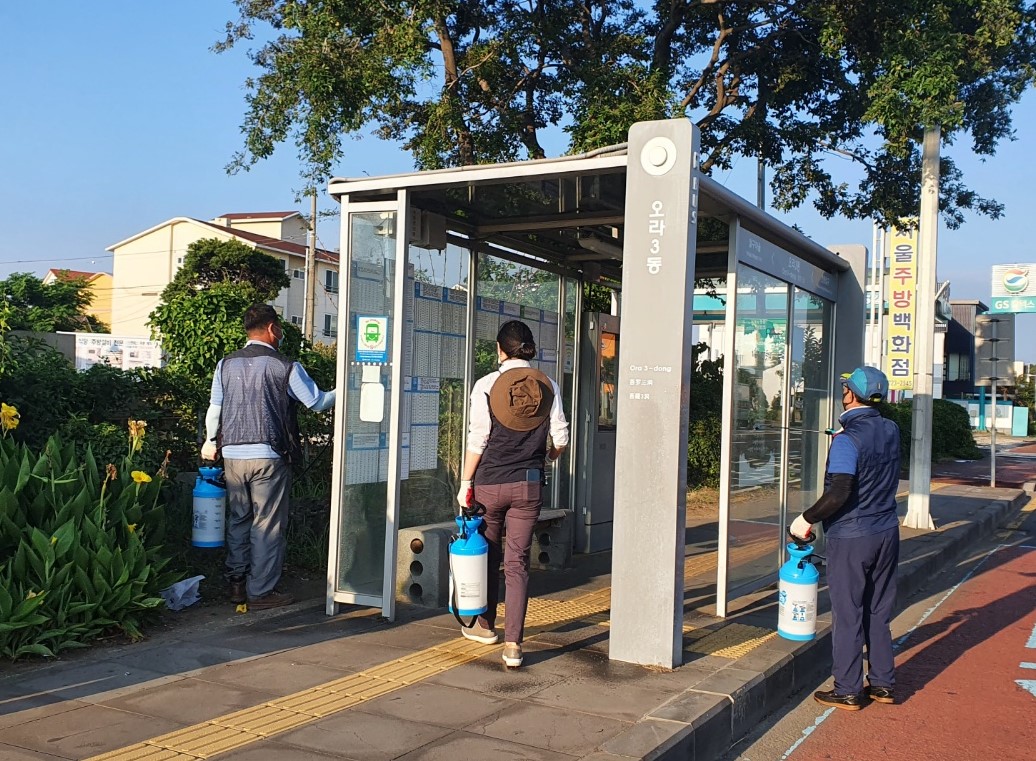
(236, 589)
(834, 700)
(880, 694)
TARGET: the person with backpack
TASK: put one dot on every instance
(513, 411)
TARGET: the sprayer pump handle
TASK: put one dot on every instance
(473, 511)
(812, 537)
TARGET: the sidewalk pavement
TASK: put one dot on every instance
(294, 684)
(1014, 464)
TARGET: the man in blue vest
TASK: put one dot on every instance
(858, 510)
(252, 421)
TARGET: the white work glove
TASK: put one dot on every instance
(801, 528)
(466, 495)
(208, 450)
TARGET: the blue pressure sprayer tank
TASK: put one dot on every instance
(469, 564)
(797, 592)
(210, 499)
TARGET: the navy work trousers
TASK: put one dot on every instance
(861, 578)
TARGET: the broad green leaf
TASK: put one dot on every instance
(34, 649)
(65, 535)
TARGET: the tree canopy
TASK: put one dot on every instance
(198, 319)
(210, 261)
(795, 82)
(60, 305)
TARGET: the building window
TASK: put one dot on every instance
(298, 274)
(330, 326)
(958, 367)
(285, 263)
(331, 281)
(296, 320)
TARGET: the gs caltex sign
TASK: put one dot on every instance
(1014, 288)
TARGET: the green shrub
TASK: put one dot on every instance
(705, 428)
(951, 429)
(82, 554)
(703, 452)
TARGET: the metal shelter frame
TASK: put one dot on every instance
(570, 216)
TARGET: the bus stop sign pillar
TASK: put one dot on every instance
(654, 391)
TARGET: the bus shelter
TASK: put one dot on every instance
(432, 263)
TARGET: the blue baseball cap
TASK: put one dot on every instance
(868, 383)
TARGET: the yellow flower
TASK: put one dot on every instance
(111, 473)
(137, 429)
(30, 595)
(9, 417)
(140, 477)
(132, 527)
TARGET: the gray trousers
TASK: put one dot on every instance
(257, 506)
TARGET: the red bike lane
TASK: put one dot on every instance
(966, 678)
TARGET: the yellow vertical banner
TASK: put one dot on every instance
(902, 297)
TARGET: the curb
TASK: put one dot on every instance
(701, 723)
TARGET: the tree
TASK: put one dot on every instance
(793, 82)
(60, 305)
(211, 261)
(198, 319)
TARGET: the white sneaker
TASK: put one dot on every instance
(479, 633)
(512, 655)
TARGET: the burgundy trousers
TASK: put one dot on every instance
(513, 509)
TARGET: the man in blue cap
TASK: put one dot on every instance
(858, 510)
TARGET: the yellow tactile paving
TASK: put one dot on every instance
(731, 640)
(1004, 533)
(235, 730)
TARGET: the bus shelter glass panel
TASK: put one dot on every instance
(434, 359)
(810, 384)
(760, 349)
(508, 291)
(703, 434)
(364, 494)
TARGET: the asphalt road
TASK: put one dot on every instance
(966, 674)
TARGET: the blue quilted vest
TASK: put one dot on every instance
(871, 507)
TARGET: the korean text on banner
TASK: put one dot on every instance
(902, 293)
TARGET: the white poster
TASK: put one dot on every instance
(123, 352)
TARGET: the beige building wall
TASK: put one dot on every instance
(141, 269)
(144, 265)
(326, 304)
(291, 228)
(101, 290)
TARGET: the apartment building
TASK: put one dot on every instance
(145, 262)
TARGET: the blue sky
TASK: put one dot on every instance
(117, 116)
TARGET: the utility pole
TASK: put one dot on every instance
(760, 183)
(308, 315)
(918, 514)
